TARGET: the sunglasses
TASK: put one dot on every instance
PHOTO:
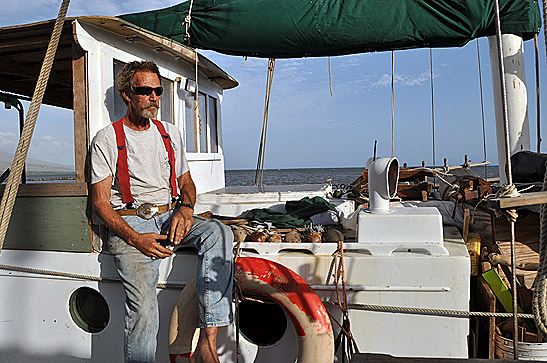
(147, 91)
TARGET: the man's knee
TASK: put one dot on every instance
(218, 231)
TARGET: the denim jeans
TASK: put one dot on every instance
(139, 274)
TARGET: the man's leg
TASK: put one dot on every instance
(206, 350)
(214, 243)
(139, 275)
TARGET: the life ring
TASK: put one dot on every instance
(279, 283)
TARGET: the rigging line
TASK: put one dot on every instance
(392, 104)
(508, 168)
(258, 180)
(545, 22)
(432, 103)
(187, 22)
(12, 186)
(70, 275)
(259, 174)
(330, 80)
(427, 311)
(197, 113)
(482, 110)
(432, 112)
(271, 68)
(538, 114)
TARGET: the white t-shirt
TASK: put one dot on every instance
(147, 160)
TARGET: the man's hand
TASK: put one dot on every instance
(148, 244)
(180, 224)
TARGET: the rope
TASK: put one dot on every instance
(425, 311)
(340, 274)
(12, 186)
(330, 80)
(539, 302)
(78, 276)
(197, 113)
(508, 191)
(432, 104)
(187, 22)
(259, 175)
(349, 305)
(392, 104)
(508, 172)
(482, 110)
(538, 108)
(545, 22)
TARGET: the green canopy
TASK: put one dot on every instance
(309, 28)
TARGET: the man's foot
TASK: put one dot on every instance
(206, 350)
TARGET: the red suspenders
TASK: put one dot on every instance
(170, 155)
(123, 170)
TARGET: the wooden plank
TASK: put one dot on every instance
(50, 190)
(526, 243)
(49, 224)
(487, 302)
(466, 220)
(80, 102)
(524, 200)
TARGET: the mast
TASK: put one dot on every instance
(517, 102)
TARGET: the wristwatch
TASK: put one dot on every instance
(181, 204)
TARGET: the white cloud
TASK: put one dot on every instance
(407, 80)
(8, 141)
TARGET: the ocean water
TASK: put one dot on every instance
(316, 175)
(294, 176)
(271, 176)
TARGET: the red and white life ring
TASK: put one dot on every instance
(279, 283)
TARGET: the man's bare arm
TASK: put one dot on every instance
(183, 218)
(147, 243)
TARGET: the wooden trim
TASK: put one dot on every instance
(80, 102)
(523, 200)
(186, 54)
(50, 190)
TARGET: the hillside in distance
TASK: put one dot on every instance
(34, 165)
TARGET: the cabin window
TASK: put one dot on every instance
(119, 106)
(204, 137)
(191, 143)
(166, 101)
(203, 123)
(165, 112)
(212, 122)
(51, 154)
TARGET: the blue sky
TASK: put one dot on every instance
(307, 126)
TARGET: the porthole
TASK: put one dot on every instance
(263, 323)
(89, 310)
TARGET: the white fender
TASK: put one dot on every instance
(279, 283)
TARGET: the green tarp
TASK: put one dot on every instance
(297, 214)
(304, 28)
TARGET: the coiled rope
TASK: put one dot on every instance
(12, 186)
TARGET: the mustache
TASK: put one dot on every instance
(152, 104)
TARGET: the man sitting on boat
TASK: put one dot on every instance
(143, 191)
